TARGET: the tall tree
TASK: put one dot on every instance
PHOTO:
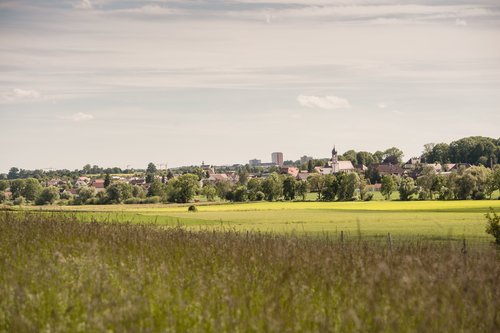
(289, 184)
(272, 187)
(388, 186)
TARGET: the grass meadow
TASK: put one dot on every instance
(61, 275)
(424, 219)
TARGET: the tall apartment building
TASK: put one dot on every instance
(277, 158)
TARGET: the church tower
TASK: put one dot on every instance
(335, 158)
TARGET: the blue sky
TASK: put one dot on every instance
(120, 83)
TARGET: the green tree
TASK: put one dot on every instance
(254, 185)
(138, 192)
(48, 196)
(13, 173)
(406, 188)
(426, 181)
(4, 184)
(317, 183)
(183, 188)
(388, 186)
(119, 192)
(301, 189)
(365, 158)
(151, 168)
(86, 193)
(32, 189)
(223, 187)
(393, 155)
(351, 155)
(289, 184)
(209, 191)
(272, 187)
(157, 189)
(240, 193)
(17, 188)
(107, 180)
(330, 187)
(310, 166)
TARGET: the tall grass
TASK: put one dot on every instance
(60, 275)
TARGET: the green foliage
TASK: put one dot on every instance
(13, 173)
(493, 225)
(17, 187)
(3, 198)
(32, 189)
(330, 187)
(138, 192)
(272, 187)
(289, 187)
(86, 193)
(183, 188)
(209, 191)
(192, 208)
(151, 168)
(222, 187)
(107, 180)
(301, 189)
(48, 196)
(348, 183)
(240, 194)
(19, 201)
(388, 186)
(317, 183)
(118, 192)
(406, 188)
(4, 184)
(157, 189)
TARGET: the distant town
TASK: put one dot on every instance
(464, 169)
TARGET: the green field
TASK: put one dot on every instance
(427, 219)
(61, 275)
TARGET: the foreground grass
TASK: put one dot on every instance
(61, 275)
(424, 219)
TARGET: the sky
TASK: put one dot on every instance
(123, 83)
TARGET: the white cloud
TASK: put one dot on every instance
(80, 116)
(21, 95)
(382, 105)
(460, 22)
(323, 102)
(84, 4)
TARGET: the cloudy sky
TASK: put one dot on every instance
(119, 83)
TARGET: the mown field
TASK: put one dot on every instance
(61, 275)
(425, 219)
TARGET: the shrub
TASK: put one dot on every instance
(49, 195)
(132, 201)
(259, 196)
(19, 201)
(368, 197)
(479, 196)
(493, 225)
(152, 200)
(192, 208)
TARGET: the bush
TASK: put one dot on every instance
(259, 196)
(2, 197)
(192, 208)
(152, 200)
(368, 197)
(132, 201)
(49, 195)
(479, 196)
(493, 225)
(19, 201)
